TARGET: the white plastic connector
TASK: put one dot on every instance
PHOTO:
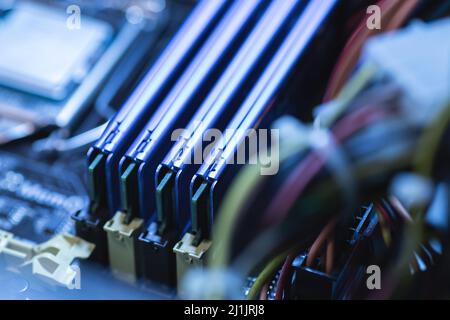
(417, 59)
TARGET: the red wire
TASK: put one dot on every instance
(384, 213)
(352, 49)
(284, 275)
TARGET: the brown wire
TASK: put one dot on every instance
(264, 290)
(402, 14)
(329, 262)
(352, 50)
(398, 206)
(319, 242)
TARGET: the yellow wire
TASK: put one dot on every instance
(429, 142)
(350, 91)
(228, 213)
(265, 275)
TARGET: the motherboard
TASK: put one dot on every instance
(224, 149)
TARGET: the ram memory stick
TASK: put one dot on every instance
(104, 156)
(176, 170)
(138, 166)
(253, 109)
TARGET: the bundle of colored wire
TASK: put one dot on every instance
(305, 171)
(394, 13)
